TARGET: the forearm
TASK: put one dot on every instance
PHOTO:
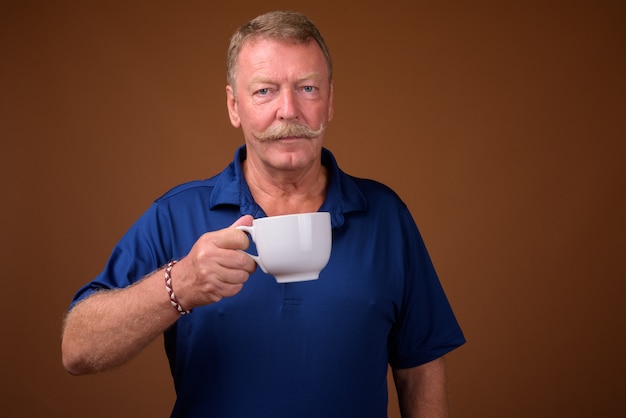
(422, 390)
(112, 326)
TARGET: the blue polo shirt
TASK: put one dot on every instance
(310, 349)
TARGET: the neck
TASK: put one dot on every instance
(286, 192)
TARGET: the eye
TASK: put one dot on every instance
(263, 91)
(308, 89)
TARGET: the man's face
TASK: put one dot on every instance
(281, 82)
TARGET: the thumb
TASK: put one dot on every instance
(245, 220)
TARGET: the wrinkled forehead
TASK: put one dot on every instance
(261, 41)
(282, 55)
(255, 41)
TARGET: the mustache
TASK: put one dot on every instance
(289, 129)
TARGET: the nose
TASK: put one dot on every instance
(288, 108)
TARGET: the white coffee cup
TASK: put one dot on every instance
(292, 248)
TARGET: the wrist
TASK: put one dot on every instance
(170, 290)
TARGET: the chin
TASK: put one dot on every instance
(293, 159)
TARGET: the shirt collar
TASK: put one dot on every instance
(343, 195)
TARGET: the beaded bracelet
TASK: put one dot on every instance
(170, 291)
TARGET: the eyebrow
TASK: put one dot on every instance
(266, 80)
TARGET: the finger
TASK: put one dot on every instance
(245, 220)
(234, 260)
(230, 237)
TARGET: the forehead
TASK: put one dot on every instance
(266, 55)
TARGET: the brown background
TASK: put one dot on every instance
(501, 124)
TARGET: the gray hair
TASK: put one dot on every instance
(280, 25)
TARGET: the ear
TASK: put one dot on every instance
(331, 109)
(231, 104)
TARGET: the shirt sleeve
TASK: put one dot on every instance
(138, 253)
(426, 327)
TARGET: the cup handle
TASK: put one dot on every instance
(250, 230)
(244, 228)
